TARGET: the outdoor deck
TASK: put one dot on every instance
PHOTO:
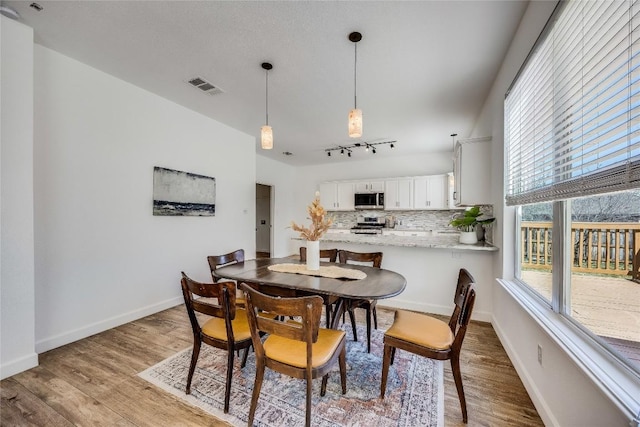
(608, 306)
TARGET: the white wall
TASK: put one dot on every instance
(17, 306)
(562, 393)
(102, 259)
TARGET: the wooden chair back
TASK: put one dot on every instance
(308, 308)
(217, 261)
(223, 292)
(464, 279)
(375, 258)
(329, 254)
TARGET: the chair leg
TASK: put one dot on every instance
(244, 357)
(386, 361)
(457, 377)
(323, 387)
(353, 324)
(375, 317)
(227, 386)
(393, 354)
(342, 361)
(194, 359)
(368, 330)
(309, 389)
(256, 390)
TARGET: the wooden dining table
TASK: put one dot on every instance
(379, 283)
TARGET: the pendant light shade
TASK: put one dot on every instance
(355, 115)
(266, 137)
(266, 133)
(355, 123)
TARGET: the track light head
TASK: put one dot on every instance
(342, 151)
(328, 153)
(374, 151)
(391, 145)
(349, 154)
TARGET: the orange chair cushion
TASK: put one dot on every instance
(421, 329)
(215, 327)
(294, 352)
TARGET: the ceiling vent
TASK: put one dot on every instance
(204, 86)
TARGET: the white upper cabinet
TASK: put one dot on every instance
(398, 194)
(337, 196)
(369, 186)
(430, 192)
(472, 172)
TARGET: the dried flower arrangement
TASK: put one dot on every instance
(320, 221)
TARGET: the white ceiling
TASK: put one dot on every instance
(424, 67)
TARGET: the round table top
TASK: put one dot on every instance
(378, 284)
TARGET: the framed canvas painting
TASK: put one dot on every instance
(177, 193)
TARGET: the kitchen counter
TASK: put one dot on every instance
(441, 241)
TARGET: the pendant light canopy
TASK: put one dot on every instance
(266, 133)
(355, 115)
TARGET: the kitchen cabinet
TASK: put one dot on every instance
(398, 194)
(472, 172)
(430, 192)
(337, 196)
(369, 186)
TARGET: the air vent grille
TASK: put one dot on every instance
(204, 86)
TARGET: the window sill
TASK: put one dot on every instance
(616, 380)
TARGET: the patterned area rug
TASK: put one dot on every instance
(414, 394)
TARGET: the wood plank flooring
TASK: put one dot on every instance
(94, 382)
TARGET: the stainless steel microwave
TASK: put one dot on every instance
(369, 200)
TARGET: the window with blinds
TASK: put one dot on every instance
(572, 125)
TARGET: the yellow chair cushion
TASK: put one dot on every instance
(215, 327)
(421, 329)
(294, 352)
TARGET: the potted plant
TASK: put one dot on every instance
(467, 222)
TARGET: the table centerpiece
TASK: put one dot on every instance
(320, 223)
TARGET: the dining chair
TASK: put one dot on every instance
(217, 261)
(330, 255)
(299, 349)
(375, 260)
(227, 327)
(430, 337)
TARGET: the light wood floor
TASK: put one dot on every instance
(93, 382)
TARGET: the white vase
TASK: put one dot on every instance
(468, 237)
(313, 255)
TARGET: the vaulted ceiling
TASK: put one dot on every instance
(424, 67)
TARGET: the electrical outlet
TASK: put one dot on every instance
(540, 354)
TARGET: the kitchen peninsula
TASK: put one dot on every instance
(430, 264)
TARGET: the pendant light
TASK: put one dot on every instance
(266, 133)
(355, 115)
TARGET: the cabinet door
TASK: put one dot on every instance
(361, 187)
(437, 192)
(398, 194)
(345, 197)
(472, 172)
(376, 186)
(329, 195)
(405, 193)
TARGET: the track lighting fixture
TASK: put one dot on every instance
(366, 145)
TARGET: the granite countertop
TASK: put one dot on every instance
(442, 241)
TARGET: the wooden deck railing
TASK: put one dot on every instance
(598, 247)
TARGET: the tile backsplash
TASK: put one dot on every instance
(437, 220)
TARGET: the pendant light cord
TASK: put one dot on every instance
(267, 98)
(355, 77)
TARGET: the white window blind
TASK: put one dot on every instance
(572, 125)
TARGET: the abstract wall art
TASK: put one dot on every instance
(177, 193)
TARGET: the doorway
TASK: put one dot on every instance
(263, 221)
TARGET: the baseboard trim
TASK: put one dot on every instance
(18, 365)
(536, 397)
(103, 325)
